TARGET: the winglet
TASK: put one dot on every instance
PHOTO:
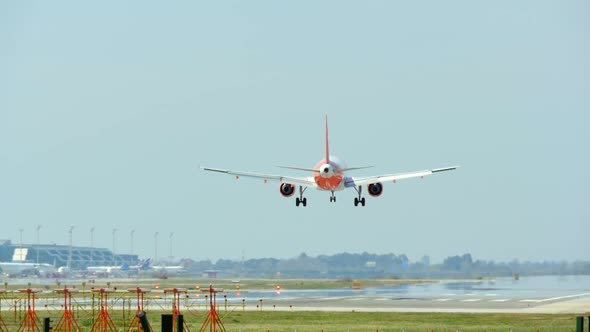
(327, 145)
(444, 169)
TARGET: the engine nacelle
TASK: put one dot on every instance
(375, 189)
(287, 189)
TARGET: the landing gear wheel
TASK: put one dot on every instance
(362, 201)
(302, 201)
(356, 201)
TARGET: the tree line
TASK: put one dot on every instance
(368, 265)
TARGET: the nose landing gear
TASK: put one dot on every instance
(332, 198)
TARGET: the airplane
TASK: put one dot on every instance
(20, 268)
(164, 271)
(328, 175)
(142, 265)
(171, 268)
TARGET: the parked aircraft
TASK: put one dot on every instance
(23, 268)
(141, 266)
(176, 268)
(328, 175)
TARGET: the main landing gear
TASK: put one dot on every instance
(359, 199)
(301, 199)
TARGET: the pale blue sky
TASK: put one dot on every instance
(107, 109)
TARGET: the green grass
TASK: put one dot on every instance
(245, 285)
(348, 321)
(237, 320)
(261, 284)
(354, 321)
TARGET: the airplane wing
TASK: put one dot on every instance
(351, 182)
(308, 182)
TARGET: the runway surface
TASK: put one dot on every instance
(576, 303)
(553, 294)
(547, 294)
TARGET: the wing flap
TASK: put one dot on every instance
(308, 182)
(394, 177)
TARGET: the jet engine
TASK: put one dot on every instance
(375, 189)
(287, 189)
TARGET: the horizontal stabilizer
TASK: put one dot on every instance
(300, 168)
(317, 170)
(355, 168)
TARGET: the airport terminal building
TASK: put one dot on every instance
(59, 255)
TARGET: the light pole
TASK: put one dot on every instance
(38, 228)
(20, 250)
(170, 239)
(114, 232)
(91, 242)
(156, 247)
(71, 231)
(131, 239)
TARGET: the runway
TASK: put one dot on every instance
(547, 294)
(577, 303)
